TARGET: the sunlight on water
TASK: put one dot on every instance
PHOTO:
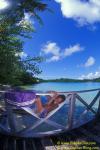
(62, 87)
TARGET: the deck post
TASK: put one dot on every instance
(11, 118)
(71, 111)
(98, 112)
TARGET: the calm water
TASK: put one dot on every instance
(63, 86)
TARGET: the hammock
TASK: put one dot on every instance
(46, 119)
(23, 100)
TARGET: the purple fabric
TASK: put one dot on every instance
(20, 97)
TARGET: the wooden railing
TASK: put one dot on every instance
(71, 98)
(89, 107)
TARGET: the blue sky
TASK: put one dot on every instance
(69, 40)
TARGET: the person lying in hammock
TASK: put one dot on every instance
(52, 102)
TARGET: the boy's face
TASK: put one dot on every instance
(58, 100)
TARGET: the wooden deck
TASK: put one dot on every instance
(84, 137)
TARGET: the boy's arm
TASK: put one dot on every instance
(50, 108)
(55, 94)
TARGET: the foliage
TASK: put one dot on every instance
(70, 80)
(13, 28)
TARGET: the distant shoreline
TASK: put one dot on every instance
(69, 80)
(62, 80)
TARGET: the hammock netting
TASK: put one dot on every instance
(29, 124)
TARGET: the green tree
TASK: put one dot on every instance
(13, 26)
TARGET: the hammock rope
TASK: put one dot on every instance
(42, 120)
(22, 100)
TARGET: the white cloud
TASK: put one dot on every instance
(53, 58)
(4, 4)
(84, 12)
(73, 49)
(26, 20)
(90, 62)
(27, 16)
(51, 48)
(91, 75)
(21, 54)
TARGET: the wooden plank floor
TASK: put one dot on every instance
(75, 139)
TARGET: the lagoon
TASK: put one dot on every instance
(63, 86)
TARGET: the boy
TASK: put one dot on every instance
(53, 102)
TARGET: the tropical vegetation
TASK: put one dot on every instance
(15, 69)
